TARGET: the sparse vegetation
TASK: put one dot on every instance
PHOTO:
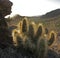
(34, 39)
(29, 39)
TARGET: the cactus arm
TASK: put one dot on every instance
(24, 25)
(42, 48)
(52, 38)
(50, 42)
(31, 31)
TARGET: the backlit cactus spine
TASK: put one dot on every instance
(29, 45)
(52, 38)
(41, 44)
(40, 31)
(17, 38)
(20, 26)
(14, 34)
(42, 48)
(31, 31)
(24, 25)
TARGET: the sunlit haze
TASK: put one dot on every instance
(33, 7)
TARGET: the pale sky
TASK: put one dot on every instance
(34, 7)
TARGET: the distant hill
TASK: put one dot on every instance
(47, 16)
(51, 14)
(51, 20)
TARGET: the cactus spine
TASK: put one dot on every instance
(25, 25)
(20, 26)
(40, 31)
(17, 38)
(42, 48)
(14, 34)
(52, 38)
(31, 31)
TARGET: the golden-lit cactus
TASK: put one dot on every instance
(28, 45)
(24, 25)
(14, 34)
(31, 31)
(40, 31)
(20, 26)
(52, 38)
(35, 40)
(42, 48)
(19, 40)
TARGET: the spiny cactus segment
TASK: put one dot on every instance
(14, 35)
(20, 26)
(42, 48)
(52, 38)
(24, 25)
(39, 31)
(31, 30)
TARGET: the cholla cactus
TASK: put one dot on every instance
(52, 38)
(31, 31)
(14, 34)
(19, 40)
(25, 25)
(35, 40)
(42, 48)
(28, 45)
(40, 31)
(20, 26)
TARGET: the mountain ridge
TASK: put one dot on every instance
(51, 14)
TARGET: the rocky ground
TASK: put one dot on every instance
(10, 52)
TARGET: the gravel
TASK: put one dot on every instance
(14, 53)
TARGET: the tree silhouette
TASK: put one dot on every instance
(5, 9)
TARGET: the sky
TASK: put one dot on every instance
(33, 7)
